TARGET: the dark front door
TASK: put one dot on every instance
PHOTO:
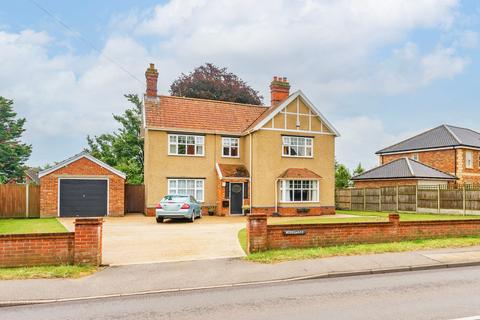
(236, 198)
(83, 198)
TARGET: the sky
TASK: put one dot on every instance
(380, 71)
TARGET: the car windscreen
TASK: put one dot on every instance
(175, 198)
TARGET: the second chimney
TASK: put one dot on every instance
(152, 77)
(279, 90)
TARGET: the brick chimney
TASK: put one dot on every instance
(279, 90)
(152, 76)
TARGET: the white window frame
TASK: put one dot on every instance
(287, 141)
(199, 141)
(469, 159)
(285, 187)
(415, 157)
(196, 187)
(230, 139)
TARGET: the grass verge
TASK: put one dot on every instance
(46, 272)
(314, 220)
(410, 216)
(19, 226)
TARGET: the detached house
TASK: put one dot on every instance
(237, 157)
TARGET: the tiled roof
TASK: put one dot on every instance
(233, 170)
(299, 173)
(199, 114)
(404, 168)
(439, 137)
(32, 173)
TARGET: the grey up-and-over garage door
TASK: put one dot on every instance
(83, 197)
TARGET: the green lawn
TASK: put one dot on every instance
(411, 216)
(16, 226)
(46, 272)
(314, 220)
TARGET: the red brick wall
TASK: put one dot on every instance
(81, 168)
(292, 211)
(84, 246)
(443, 160)
(384, 183)
(317, 235)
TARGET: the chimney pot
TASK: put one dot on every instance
(279, 90)
(151, 75)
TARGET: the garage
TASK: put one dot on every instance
(83, 197)
(82, 186)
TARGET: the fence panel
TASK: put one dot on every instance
(12, 201)
(134, 198)
(472, 200)
(407, 198)
(358, 199)
(342, 199)
(372, 199)
(428, 198)
(451, 199)
(389, 199)
(33, 201)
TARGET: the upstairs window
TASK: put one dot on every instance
(415, 156)
(297, 146)
(469, 159)
(186, 145)
(230, 147)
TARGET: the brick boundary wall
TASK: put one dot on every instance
(261, 236)
(84, 246)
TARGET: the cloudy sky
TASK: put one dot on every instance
(379, 70)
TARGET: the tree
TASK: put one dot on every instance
(358, 170)
(211, 82)
(342, 176)
(123, 149)
(13, 153)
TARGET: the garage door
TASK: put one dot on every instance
(83, 198)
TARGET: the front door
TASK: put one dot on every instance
(236, 198)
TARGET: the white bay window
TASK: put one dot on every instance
(187, 187)
(299, 190)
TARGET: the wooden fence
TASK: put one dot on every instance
(19, 201)
(410, 199)
(134, 198)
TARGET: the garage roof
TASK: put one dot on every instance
(76, 157)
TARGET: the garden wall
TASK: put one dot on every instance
(261, 236)
(84, 246)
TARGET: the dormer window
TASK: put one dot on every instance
(294, 146)
(230, 147)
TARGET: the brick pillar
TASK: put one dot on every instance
(88, 241)
(256, 232)
(394, 218)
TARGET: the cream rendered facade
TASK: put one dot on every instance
(260, 152)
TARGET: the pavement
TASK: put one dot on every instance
(184, 276)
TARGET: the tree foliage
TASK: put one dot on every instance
(123, 149)
(210, 82)
(358, 170)
(342, 176)
(13, 153)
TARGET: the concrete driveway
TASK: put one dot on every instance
(135, 239)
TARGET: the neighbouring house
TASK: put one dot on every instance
(237, 158)
(451, 149)
(81, 186)
(31, 176)
(402, 171)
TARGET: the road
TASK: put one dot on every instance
(434, 294)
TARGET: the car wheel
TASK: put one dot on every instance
(200, 214)
(159, 219)
(192, 219)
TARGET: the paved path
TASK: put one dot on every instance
(221, 272)
(435, 294)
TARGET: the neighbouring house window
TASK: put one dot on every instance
(230, 147)
(469, 159)
(297, 146)
(187, 187)
(415, 156)
(189, 145)
(298, 190)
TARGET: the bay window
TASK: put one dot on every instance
(188, 145)
(298, 190)
(297, 146)
(187, 187)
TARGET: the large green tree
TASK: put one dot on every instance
(13, 153)
(123, 149)
(342, 176)
(211, 82)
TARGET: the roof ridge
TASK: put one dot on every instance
(217, 101)
(409, 166)
(463, 128)
(408, 139)
(453, 134)
(433, 168)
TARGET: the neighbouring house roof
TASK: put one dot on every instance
(404, 168)
(181, 113)
(299, 173)
(76, 157)
(439, 137)
(32, 173)
(232, 171)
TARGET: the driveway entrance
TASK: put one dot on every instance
(138, 239)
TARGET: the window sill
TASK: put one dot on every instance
(230, 157)
(297, 202)
(297, 157)
(187, 155)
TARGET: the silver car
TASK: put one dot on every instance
(178, 207)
